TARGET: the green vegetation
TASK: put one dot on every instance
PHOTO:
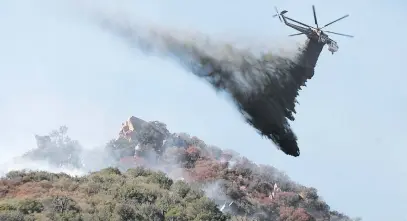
(137, 194)
(214, 185)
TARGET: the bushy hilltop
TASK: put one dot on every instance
(152, 174)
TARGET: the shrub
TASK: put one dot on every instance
(180, 188)
(148, 211)
(62, 204)
(125, 212)
(138, 171)
(161, 179)
(204, 209)
(292, 214)
(28, 206)
(137, 194)
(11, 216)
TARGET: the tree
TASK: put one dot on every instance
(119, 148)
(153, 134)
(192, 155)
(206, 170)
(310, 193)
(57, 148)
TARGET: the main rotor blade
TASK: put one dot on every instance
(350, 36)
(330, 23)
(275, 7)
(297, 22)
(315, 15)
(296, 34)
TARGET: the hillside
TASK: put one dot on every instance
(152, 174)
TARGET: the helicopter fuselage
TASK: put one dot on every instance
(321, 37)
(313, 34)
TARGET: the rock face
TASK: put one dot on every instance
(145, 139)
(130, 126)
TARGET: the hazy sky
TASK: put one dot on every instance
(57, 68)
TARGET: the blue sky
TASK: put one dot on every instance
(57, 68)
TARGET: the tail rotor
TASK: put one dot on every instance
(277, 14)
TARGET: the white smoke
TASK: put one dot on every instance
(26, 164)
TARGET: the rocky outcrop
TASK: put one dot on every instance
(130, 126)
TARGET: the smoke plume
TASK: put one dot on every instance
(263, 87)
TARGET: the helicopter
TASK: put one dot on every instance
(313, 33)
